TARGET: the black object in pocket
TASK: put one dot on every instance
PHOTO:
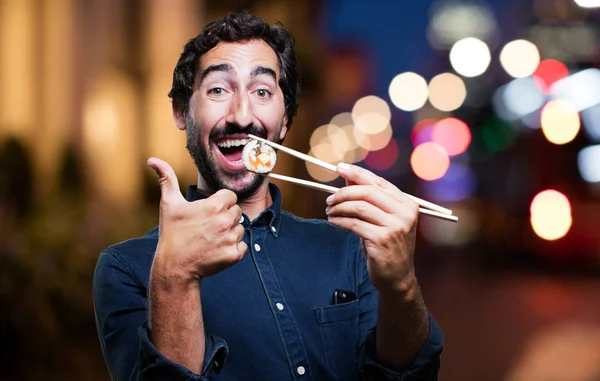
(338, 325)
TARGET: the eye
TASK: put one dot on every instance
(216, 91)
(263, 93)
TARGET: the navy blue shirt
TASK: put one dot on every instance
(268, 317)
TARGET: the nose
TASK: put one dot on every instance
(240, 111)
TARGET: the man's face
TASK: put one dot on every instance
(236, 93)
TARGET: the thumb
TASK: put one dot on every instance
(169, 185)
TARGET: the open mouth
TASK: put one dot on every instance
(230, 150)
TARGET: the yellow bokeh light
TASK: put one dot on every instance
(408, 91)
(330, 142)
(319, 135)
(339, 140)
(349, 131)
(326, 152)
(355, 152)
(550, 215)
(430, 161)
(342, 119)
(560, 121)
(447, 92)
(520, 58)
(341, 133)
(371, 114)
(316, 172)
(470, 57)
(373, 142)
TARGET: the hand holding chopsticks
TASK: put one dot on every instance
(428, 208)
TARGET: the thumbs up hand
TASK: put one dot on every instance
(196, 239)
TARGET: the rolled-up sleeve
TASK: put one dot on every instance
(425, 367)
(120, 305)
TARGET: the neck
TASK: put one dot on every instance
(251, 206)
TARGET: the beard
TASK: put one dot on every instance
(207, 163)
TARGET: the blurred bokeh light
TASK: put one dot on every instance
(549, 72)
(453, 134)
(429, 161)
(519, 58)
(421, 132)
(588, 3)
(560, 121)
(470, 57)
(316, 172)
(550, 213)
(517, 99)
(581, 89)
(373, 142)
(371, 115)
(447, 92)
(459, 183)
(408, 91)
(384, 158)
(588, 162)
(591, 122)
(453, 21)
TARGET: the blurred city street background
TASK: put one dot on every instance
(490, 108)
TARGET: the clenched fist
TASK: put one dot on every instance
(196, 239)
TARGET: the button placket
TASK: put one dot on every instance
(288, 329)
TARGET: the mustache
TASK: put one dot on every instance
(232, 128)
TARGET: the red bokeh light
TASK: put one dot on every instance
(384, 158)
(452, 134)
(549, 72)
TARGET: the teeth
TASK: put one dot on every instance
(232, 143)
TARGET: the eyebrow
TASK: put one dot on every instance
(227, 68)
(259, 70)
(214, 68)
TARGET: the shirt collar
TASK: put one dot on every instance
(270, 217)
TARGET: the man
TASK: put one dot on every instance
(230, 287)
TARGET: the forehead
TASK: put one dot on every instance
(243, 56)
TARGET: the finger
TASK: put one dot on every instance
(362, 210)
(361, 176)
(359, 227)
(222, 200)
(367, 193)
(238, 232)
(358, 175)
(236, 213)
(169, 185)
(242, 248)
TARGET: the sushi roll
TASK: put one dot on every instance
(259, 157)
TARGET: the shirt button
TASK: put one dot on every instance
(301, 370)
(256, 247)
(241, 219)
(279, 306)
(273, 229)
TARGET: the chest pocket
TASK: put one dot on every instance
(338, 325)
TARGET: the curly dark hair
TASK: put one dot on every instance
(239, 27)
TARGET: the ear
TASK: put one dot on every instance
(178, 116)
(284, 128)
